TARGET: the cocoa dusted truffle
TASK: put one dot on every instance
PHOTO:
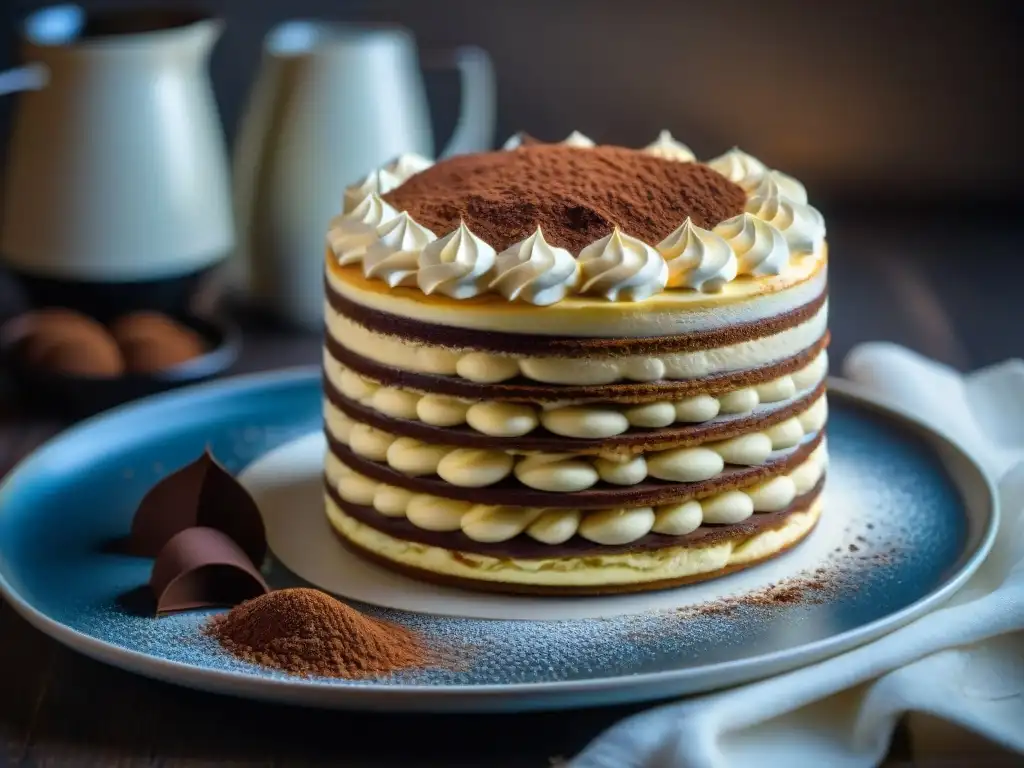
(151, 341)
(65, 341)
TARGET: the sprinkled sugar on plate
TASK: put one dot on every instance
(917, 516)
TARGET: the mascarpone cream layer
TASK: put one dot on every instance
(583, 420)
(670, 313)
(490, 368)
(491, 524)
(590, 571)
(572, 472)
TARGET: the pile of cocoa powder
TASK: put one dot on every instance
(308, 633)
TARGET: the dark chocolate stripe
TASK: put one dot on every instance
(522, 547)
(524, 390)
(634, 441)
(510, 492)
(572, 346)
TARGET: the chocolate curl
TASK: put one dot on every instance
(203, 568)
(202, 493)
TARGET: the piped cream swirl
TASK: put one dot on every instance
(790, 187)
(801, 226)
(379, 181)
(535, 272)
(577, 139)
(350, 234)
(760, 248)
(394, 257)
(698, 258)
(458, 265)
(668, 148)
(621, 267)
(739, 167)
(407, 165)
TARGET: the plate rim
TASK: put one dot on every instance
(517, 696)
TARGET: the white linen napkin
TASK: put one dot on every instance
(963, 663)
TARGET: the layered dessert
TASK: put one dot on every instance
(575, 369)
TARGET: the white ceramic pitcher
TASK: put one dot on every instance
(332, 102)
(117, 165)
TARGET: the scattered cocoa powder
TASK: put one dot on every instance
(308, 633)
(576, 195)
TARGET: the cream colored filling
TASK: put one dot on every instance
(488, 368)
(673, 312)
(486, 523)
(589, 571)
(571, 472)
(506, 419)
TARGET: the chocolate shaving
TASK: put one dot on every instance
(201, 568)
(202, 493)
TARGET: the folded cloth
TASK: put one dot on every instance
(962, 663)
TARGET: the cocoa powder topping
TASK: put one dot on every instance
(575, 195)
(307, 632)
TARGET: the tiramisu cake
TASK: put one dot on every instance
(575, 369)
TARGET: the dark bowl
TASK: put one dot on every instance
(75, 396)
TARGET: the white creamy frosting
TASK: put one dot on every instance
(474, 467)
(760, 248)
(592, 422)
(698, 258)
(556, 473)
(351, 233)
(801, 226)
(394, 257)
(513, 141)
(577, 139)
(493, 524)
(379, 181)
(458, 265)
(739, 167)
(555, 526)
(790, 187)
(621, 267)
(668, 148)
(535, 272)
(500, 419)
(617, 526)
(603, 526)
(407, 165)
(678, 519)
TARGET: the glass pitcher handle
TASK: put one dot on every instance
(474, 129)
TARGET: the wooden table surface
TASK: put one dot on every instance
(943, 283)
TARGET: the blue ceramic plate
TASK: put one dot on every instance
(919, 516)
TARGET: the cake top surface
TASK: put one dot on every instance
(545, 224)
(575, 195)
